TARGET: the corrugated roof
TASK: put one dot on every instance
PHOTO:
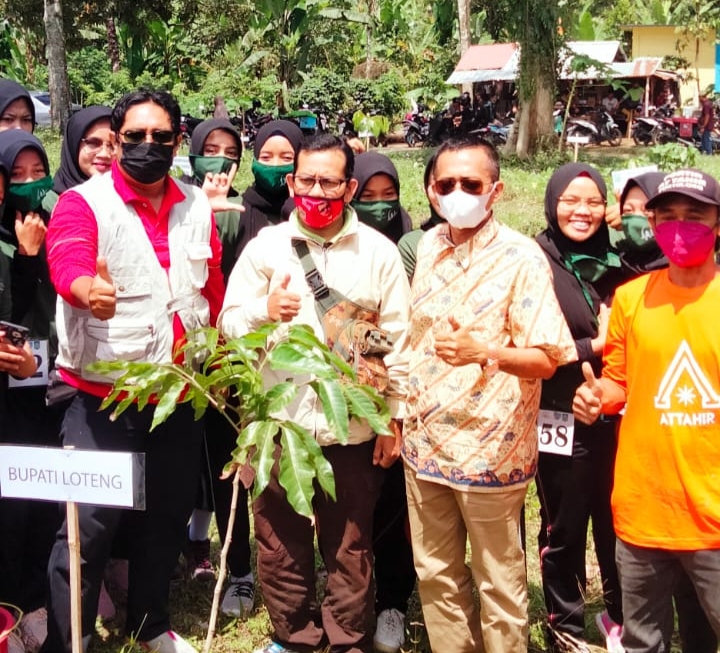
(605, 51)
(493, 56)
(484, 73)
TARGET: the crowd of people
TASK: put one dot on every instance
(585, 361)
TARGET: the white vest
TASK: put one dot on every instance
(147, 296)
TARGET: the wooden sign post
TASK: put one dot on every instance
(73, 476)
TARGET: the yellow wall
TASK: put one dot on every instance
(662, 41)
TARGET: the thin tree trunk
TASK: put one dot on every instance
(57, 64)
(464, 33)
(113, 45)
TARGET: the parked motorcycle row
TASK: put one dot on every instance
(420, 128)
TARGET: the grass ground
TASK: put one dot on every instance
(522, 208)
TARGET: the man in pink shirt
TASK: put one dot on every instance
(135, 258)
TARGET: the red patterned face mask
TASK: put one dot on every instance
(318, 212)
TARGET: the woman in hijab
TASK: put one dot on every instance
(17, 110)
(575, 481)
(214, 149)
(28, 527)
(274, 155)
(87, 149)
(377, 198)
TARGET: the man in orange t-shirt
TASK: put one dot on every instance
(662, 362)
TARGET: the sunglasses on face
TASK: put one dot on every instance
(158, 136)
(470, 186)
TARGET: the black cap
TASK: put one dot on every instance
(691, 183)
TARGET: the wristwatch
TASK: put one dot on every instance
(492, 365)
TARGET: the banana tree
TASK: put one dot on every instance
(229, 377)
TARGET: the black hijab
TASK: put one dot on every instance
(206, 127)
(599, 243)
(69, 173)
(646, 260)
(648, 183)
(262, 208)
(11, 91)
(285, 128)
(14, 141)
(369, 164)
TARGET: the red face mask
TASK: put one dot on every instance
(686, 244)
(318, 212)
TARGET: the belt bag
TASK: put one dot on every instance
(351, 330)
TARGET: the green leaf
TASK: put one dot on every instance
(365, 403)
(334, 406)
(261, 435)
(296, 473)
(168, 400)
(292, 358)
(280, 396)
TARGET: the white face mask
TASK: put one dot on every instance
(462, 210)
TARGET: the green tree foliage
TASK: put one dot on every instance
(234, 369)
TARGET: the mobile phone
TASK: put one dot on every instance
(15, 334)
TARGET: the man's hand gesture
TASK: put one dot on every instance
(101, 295)
(459, 347)
(282, 304)
(217, 186)
(588, 397)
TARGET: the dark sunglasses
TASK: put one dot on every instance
(159, 136)
(470, 186)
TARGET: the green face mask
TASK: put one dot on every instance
(28, 196)
(591, 268)
(377, 214)
(201, 165)
(638, 232)
(271, 179)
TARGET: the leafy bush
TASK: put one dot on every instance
(673, 156)
(322, 88)
(384, 95)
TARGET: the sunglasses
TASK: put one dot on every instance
(470, 186)
(159, 136)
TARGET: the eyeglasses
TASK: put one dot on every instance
(304, 183)
(575, 202)
(159, 136)
(97, 144)
(470, 186)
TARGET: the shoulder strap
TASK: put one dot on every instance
(325, 299)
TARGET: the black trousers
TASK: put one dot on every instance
(573, 490)
(27, 528)
(173, 455)
(220, 440)
(394, 568)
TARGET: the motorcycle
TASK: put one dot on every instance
(187, 126)
(496, 133)
(416, 128)
(645, 131)
(668, 130)
(345, 125)
(604, 129)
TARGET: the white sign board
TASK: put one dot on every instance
(621, 177)
(581, 140)
(556, 432)
(103, 478)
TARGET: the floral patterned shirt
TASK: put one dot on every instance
(465, 428)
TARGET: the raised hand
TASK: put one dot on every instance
(282, 304)
(588, 397)
(30, 232)
(101, 295)
(459, 347)
(217, 186)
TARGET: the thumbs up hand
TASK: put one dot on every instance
(282, 304)
(588, 397)
(101, 295)
(458, 347)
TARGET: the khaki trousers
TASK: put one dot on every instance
(441, 520)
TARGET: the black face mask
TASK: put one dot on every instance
(146, 163)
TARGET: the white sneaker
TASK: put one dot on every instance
(390, 631)
(33, 630)
(168, 642)
(239, 597)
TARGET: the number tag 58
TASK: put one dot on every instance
(556, 431)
